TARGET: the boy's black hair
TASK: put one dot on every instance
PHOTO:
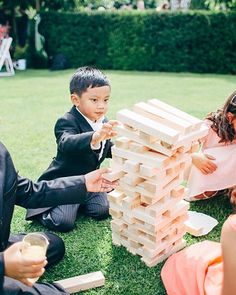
(87, 77)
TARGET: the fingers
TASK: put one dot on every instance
(208, 168)
(107, 129)
(32, 275)
(114, 123)
(107, 186)
(210, 157)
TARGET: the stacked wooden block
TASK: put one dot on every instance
(149, 158)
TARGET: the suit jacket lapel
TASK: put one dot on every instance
(80, 120)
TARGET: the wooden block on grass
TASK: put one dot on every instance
(83, 282)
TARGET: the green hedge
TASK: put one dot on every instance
(202, 42)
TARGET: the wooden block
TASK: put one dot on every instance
(153, 159)
(118, 225)
(116, 239)
(122, 142)
(168, 185)
(132, 180)
(141, 214)
(129, 192)
(178, 191)
(148, 138)
(116, 165)
(193, 230)
(115, 207)
(148, 126)
(83, 282)
(130, 203)
(195, 135)
(131, 166)
(114, 175)
(127, 188)
(115, 196)
(159, 185)
(118, 160)
(115, 214)
(157, 209)
(137, 147)
(175, 111)
(144, 139)
(162, 116)
(128, 217)
(147, 200)
(148, 171)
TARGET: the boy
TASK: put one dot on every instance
(83, 142)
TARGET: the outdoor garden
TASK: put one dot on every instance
(31, 102)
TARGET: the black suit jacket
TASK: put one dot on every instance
(74, 154)
(16, 190)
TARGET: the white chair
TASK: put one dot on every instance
(5, 58)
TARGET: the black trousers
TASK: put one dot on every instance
(62, 218)
(55, 252)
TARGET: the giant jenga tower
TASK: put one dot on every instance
(153, 149)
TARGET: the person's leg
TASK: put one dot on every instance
(56, 247)
(61, 218)
(14, 287)
(97, 206)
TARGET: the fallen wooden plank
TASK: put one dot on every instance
(83, 282)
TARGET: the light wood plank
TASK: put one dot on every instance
(83, 282)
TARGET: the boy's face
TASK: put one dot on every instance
(93, 103)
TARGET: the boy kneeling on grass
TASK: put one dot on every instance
(83, 141)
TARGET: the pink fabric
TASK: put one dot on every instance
(196, 270)
(223, 177)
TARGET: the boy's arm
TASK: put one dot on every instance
(68, 138)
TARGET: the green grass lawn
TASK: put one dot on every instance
(30, 103)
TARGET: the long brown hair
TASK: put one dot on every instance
(220, 121)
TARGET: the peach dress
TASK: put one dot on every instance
(196, 270)
(224, 176)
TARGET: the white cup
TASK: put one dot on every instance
(36, 247)
(20, 64)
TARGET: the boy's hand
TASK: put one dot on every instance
(95, 183)
(204, 163)
(106, 132)
(18, 267)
